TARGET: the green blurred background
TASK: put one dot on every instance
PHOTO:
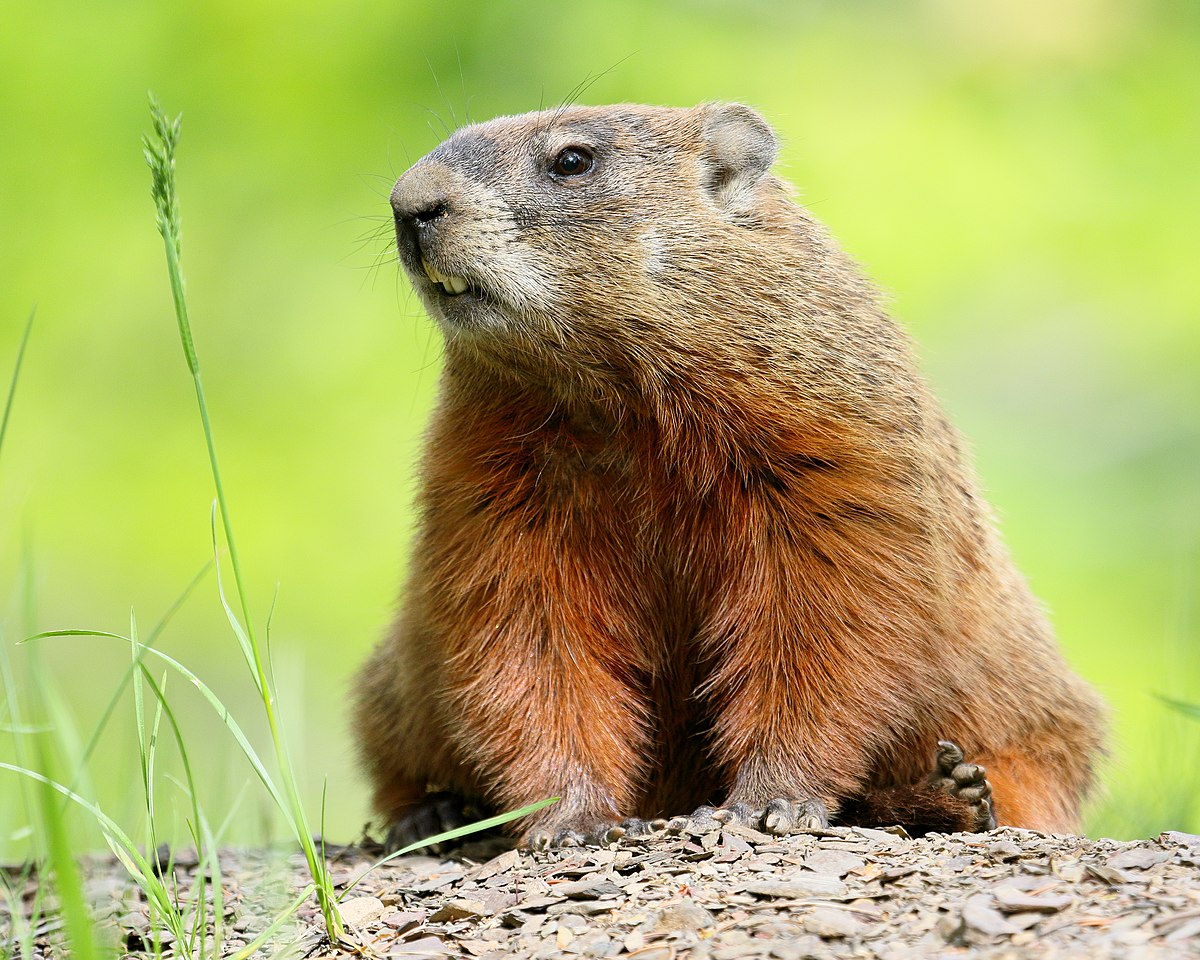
(1022, 177)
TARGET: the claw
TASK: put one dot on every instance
(965, 781)
(949, 756)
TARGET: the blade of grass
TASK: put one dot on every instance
(222, 711)
(23, 920)
(145, 757)
(454, 834)
(190, 790)
(249, 949)
(1191, 710)
(122, 846)
(159, 152)
(127, 677)
(71, 902)
(12, 384)
(16, 717)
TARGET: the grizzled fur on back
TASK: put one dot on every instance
(693, 528)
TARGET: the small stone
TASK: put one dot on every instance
(537, 903)
(585, 907)
(360, 910)
(734, 843)
(1108, 874)
(979, 915)
(895, 873)
(657, 953)
(834, 863)
(1003, 850)
(1185, 931)
(477, 948)
(1180, 839)
(830, 923)
(1013, 900)
(748, 834)
(1138, 858)
(587, 889)
(460, 909)
(506, 861)
(885, 836)
(803, 947)
(684, 915)
(425, 947)
(798, 886)
(402, 920)
(1071, 872)
(600, 946)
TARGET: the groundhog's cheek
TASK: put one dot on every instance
(520, 277)
(653, 252)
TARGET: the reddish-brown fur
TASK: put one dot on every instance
(693, 527)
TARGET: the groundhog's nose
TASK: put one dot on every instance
(420, 202)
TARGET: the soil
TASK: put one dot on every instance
(731, 893)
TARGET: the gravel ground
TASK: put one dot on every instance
(728, 894)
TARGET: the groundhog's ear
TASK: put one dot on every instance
(739, 149)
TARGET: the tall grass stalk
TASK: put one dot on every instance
(160, 150)
(1181, 706)
(12, 386)
(72, 904)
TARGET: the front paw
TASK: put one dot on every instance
(573, 832)
(966, 782)
(780, 816)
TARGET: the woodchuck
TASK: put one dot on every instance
(693, 530)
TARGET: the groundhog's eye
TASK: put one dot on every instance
(572, 162)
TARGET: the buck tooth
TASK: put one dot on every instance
(455, 285)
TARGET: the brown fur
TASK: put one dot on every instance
(692, 525)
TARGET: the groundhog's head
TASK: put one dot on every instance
(581, 231)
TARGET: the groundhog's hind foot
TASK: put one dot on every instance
(966, 782)
(433, 814)
(955, 797)
(780, 816)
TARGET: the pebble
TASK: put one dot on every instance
(361, 910)
(798, 887)
(1011, 895)
(685, 915)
